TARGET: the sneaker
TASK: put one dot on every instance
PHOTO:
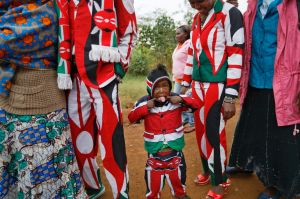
(95, 193)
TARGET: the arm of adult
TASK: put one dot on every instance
(190, 102)
(64, 80)
(233, 2)
(188, 70)
(298, 6)
(127, 33)
(234, 33)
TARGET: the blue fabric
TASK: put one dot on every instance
(264, 7)
(28, 38)
(265, 196)
(264, 43)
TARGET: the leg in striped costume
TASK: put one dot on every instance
(165, 165)
(96, 122)
(210, 129)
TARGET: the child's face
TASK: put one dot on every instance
(162, 89)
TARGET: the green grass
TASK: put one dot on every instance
(131, 89)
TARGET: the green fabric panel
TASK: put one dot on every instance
(218, 7)
(119, 70)
(154, 147)
(204, 72)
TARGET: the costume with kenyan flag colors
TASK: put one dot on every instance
(214, 64)
(37, 159)
(163, 135)
(96, 40)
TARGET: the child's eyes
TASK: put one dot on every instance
(163, 87)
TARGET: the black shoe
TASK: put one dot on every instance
(235, 170)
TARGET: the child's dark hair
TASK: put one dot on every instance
(161, 67)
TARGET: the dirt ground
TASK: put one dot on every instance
(243, 186)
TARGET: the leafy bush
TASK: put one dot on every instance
(141, 60)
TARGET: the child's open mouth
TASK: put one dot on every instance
(162, 99)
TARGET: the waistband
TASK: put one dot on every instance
(34, 92)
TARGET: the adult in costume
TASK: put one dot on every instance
(37, 159)
(213, 70)
(96, 40)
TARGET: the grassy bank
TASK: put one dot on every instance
(131, 89)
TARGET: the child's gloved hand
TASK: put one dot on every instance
(174, 99)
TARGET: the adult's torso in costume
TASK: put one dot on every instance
(100, 37)
(215, 54)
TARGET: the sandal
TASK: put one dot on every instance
(214, 195)
(202, 179)
(224, 186)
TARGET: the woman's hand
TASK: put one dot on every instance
(183, 90)
(229, 110)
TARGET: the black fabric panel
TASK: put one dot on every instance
(236, 20)
(91, 66)
(118, 145)
(213, 136)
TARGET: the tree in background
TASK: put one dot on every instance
(164, 39)
(189, 13)
(155, 45)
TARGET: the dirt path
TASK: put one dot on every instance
(243, 187)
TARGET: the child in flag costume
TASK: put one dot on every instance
(163, 136)
(213, 69)
(96, 39)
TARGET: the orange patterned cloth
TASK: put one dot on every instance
(27, 38)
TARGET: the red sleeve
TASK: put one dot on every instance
(191, 102)
(138, 113)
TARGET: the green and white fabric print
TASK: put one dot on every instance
(37, 159)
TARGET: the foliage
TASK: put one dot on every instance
(164, 39)
(189, 13)
(188, 17)
(156, 43)
(141, 59)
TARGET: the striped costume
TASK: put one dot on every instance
(214, 69)
(96, 39)
(163, 129)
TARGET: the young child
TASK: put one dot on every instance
(163, 136)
